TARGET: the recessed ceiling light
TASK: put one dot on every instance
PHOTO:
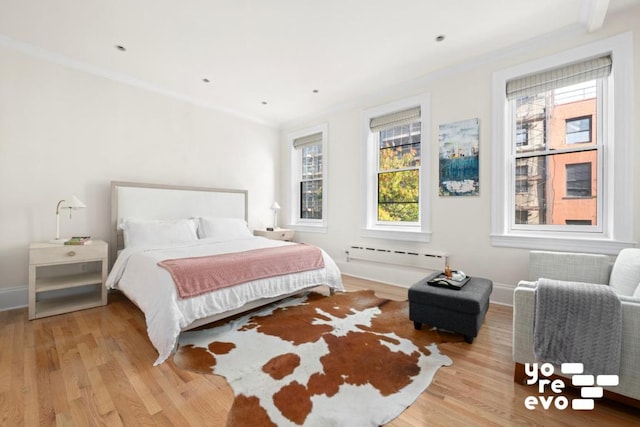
(264, 102)
(206, 80)
(440, 38)
(121, 48)
(316, 91)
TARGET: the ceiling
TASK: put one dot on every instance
(277, 61)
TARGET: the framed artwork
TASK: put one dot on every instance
(458, 158)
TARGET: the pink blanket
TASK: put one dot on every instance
(198, 275)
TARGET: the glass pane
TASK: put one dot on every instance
(311, 162)
(522, 136)
(400, 147)
(398, 196)
(578, 130)
(577, 125)
(545, 121)
(557, 189)
(530, 124)
(579, 180)
(311, 199)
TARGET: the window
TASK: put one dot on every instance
(578, 130)
(555, 155)
(522, 135)
(396, 201)
(578, 222)
(308, 149)
(399, 174)
(522, 183)
(579, 180)
(310, 196)
(547, 173)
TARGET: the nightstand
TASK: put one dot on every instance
(277, 234)
(64, 278)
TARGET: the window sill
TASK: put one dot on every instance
(566, 244)
(396, 233)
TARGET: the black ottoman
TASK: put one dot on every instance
(460, 311)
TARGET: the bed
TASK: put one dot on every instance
(154, 224)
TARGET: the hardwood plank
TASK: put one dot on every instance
(34, 412)
(58, 396)
(96, 366)
(140, 387)
(100, 393)
(7, 347)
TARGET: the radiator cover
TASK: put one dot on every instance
(426, 260)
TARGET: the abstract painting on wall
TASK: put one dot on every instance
(459, 169)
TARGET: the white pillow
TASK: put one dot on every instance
(625, 274)
(223, 228)
(158, 232)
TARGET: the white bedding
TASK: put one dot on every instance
(151, 287)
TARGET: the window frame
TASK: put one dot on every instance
(616, 160)
(295, 180)
(408, 231)
(602, 94)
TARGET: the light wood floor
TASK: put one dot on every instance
(94, 367)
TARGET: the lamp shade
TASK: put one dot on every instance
(275, 206)
(72, 203)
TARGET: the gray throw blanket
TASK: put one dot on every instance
(578, 323)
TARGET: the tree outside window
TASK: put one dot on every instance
(399, 174)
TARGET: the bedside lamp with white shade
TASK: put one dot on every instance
(70, 203)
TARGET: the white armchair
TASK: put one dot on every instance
(623, 276)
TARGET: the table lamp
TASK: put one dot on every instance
(276, 208)
(70, 203)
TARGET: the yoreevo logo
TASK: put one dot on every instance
(591, 387)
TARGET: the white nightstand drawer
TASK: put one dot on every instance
(278, 234)
(49, 253)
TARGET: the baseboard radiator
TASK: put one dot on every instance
(430, 261)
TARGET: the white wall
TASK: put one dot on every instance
(460, 225)
(66, 132)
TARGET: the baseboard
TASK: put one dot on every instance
(357, 276)
(11, 298)
(18, 297)
(502, 294)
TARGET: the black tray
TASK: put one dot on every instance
(441, 281)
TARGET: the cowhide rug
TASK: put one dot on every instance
(351, 359)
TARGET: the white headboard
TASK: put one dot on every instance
(157, 201)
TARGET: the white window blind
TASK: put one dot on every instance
(397, 118)
(558, 77)
(312, 139)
